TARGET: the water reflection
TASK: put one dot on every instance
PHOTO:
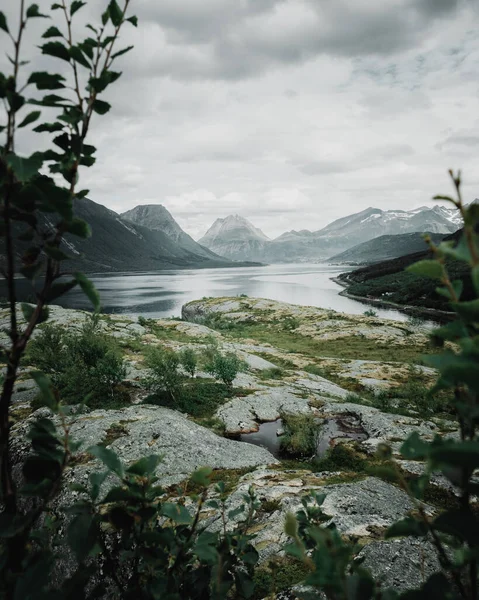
(162, 294)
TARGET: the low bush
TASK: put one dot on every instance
(189, 361)
(84, 368)
(225, 367)
(370, 313)
(165, 377)
(301, 434)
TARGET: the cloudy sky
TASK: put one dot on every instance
(289, 112)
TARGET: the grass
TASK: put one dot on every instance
(278, 574)
(347, 347)
(114, 432)
(300, 436)
(273, 373)
(279, 361)
(230, 478)
(199, 398)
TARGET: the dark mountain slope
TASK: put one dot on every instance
(390, 282)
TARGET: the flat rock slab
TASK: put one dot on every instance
(244, 414)
(401, 564)
(381, 427)
(144, 430)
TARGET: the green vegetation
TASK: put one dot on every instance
(199, 397)
(301, 434)
(165, 377)
(189, 361)
(225, 367)
(273, 373)
(124, 536)
(370, 313)
(84, 368)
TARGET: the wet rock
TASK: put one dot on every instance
(184, 445)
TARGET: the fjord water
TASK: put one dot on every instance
(162, 293)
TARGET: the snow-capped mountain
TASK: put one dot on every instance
(158, 218)
(236, 238)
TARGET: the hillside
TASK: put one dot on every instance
(388, 281)
(384, 247)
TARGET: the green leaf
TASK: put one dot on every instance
(427, 268)
(56, 6)
(59, 289)
(121, 52)
(133, 20)
(29, 309)
(47, 81)
(456, 454)
(79, 228)
(3, 22)
(46, 389)
(96, 481)
(475, 278)
(31, 271)
(25, 168)
(205, 548)
(49, 127)
(98, 84)
(33, 11)
(108, 458)
(176, 513)
(30, 118)
(101, 107)
(50, 100)
(52, 32)
(75, 6)
(469, 311)
(89, 290)
(56, 49)
(146, 466)
(78, 56)
(407, 527)
(82, 535)
(202, 476)
(115, 12)
(55, 253)
(104, 17)
(414, 447)
(464, 525)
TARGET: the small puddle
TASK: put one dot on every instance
(266, 436)
(346, 427)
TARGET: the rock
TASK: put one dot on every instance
(25, 390)
(241, 415)
(401, 564)
(184, 445)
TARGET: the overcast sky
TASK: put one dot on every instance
(290, 113)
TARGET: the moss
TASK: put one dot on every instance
(278, 574)
(230, 477)
(346, 347)
(115, 431)
(273, 373)
(270, 506)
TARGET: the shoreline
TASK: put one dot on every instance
(416, 311)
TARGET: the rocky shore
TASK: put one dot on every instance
(301, 361)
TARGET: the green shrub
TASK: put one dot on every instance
(164, 364)
(189, 361)
(85, 367)
(225, 367)
(301, 435)
(370, 313)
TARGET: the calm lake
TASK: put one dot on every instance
(162, 293)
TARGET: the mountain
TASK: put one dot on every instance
(158, 218)
(235, 238)
(384, 247)
(238, 239)
(119, 245)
